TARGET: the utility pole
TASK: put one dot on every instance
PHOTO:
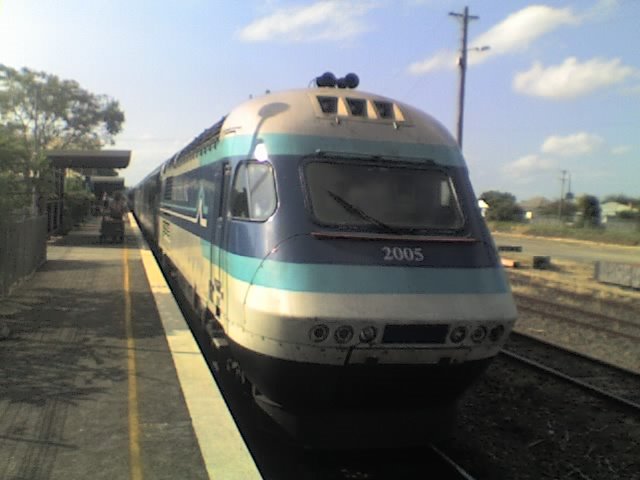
(563, 178)
(462, 63)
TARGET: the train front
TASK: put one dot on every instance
(382, 296)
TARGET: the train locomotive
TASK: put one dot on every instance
(332, 240)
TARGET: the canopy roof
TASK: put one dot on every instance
(102, 179)
(89, 158)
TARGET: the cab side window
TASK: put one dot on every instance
(253, 195)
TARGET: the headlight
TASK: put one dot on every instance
(343, 334)
(318, 333)
(368, 334)
(496, 333)
(458, 334)
(479, 334)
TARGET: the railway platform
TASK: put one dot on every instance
(100, 376)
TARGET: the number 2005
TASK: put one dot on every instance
(401, 254)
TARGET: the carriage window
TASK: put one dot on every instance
(168, 189)
(383, 197)
(253, 196)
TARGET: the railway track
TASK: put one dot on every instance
(607, 381)
(581, 311)
(457, 471)
(555, 288)
(578, 316)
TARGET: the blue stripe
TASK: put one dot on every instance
(361, 279)
(287, 144)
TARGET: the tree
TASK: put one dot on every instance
(45, 112)
(53, 113)
(502, 206)
(589, 208)
(569, 209)
(13, 191)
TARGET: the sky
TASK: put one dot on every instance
(558, 89)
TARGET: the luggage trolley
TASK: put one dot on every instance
(112, 228)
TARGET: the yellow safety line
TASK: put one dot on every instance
(135, 463)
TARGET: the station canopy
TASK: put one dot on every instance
(89, 158)
(115, 181)
(109, 185)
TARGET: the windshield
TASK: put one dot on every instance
(389, 197)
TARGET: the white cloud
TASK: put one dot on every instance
(528, 166)
(513, 34)
(602, 9)
(571, 145)
(443, 59)
(621, 149)
(633, 90)
(572, 78)
(520, 29)
(322, 20)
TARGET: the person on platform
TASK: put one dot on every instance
(117, 206)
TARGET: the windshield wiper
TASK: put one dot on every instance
(349, 207)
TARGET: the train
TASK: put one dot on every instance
(332, 242)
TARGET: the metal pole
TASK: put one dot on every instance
(562, 180)
(462, 63)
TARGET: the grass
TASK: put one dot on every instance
(600, 235)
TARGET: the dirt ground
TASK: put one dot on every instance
(573, 284)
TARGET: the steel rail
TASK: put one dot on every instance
(452, 463)
(519, 278)
(564, 318)
(573, 353)
(574, 309)
(583, 385)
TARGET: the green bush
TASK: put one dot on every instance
(77, 206)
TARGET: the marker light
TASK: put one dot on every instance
(458, 334)
(318, 333)
(343, 334)
(368, 334)
(479, 334)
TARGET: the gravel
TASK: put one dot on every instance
(516, 423)
(519, 424)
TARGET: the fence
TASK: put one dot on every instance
(625, 225)
(23, 248)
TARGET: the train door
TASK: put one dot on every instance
(217, 284)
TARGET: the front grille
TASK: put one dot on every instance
(415, 334)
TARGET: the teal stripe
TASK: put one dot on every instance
(322, 278)
(178, 206)
(286, 144)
